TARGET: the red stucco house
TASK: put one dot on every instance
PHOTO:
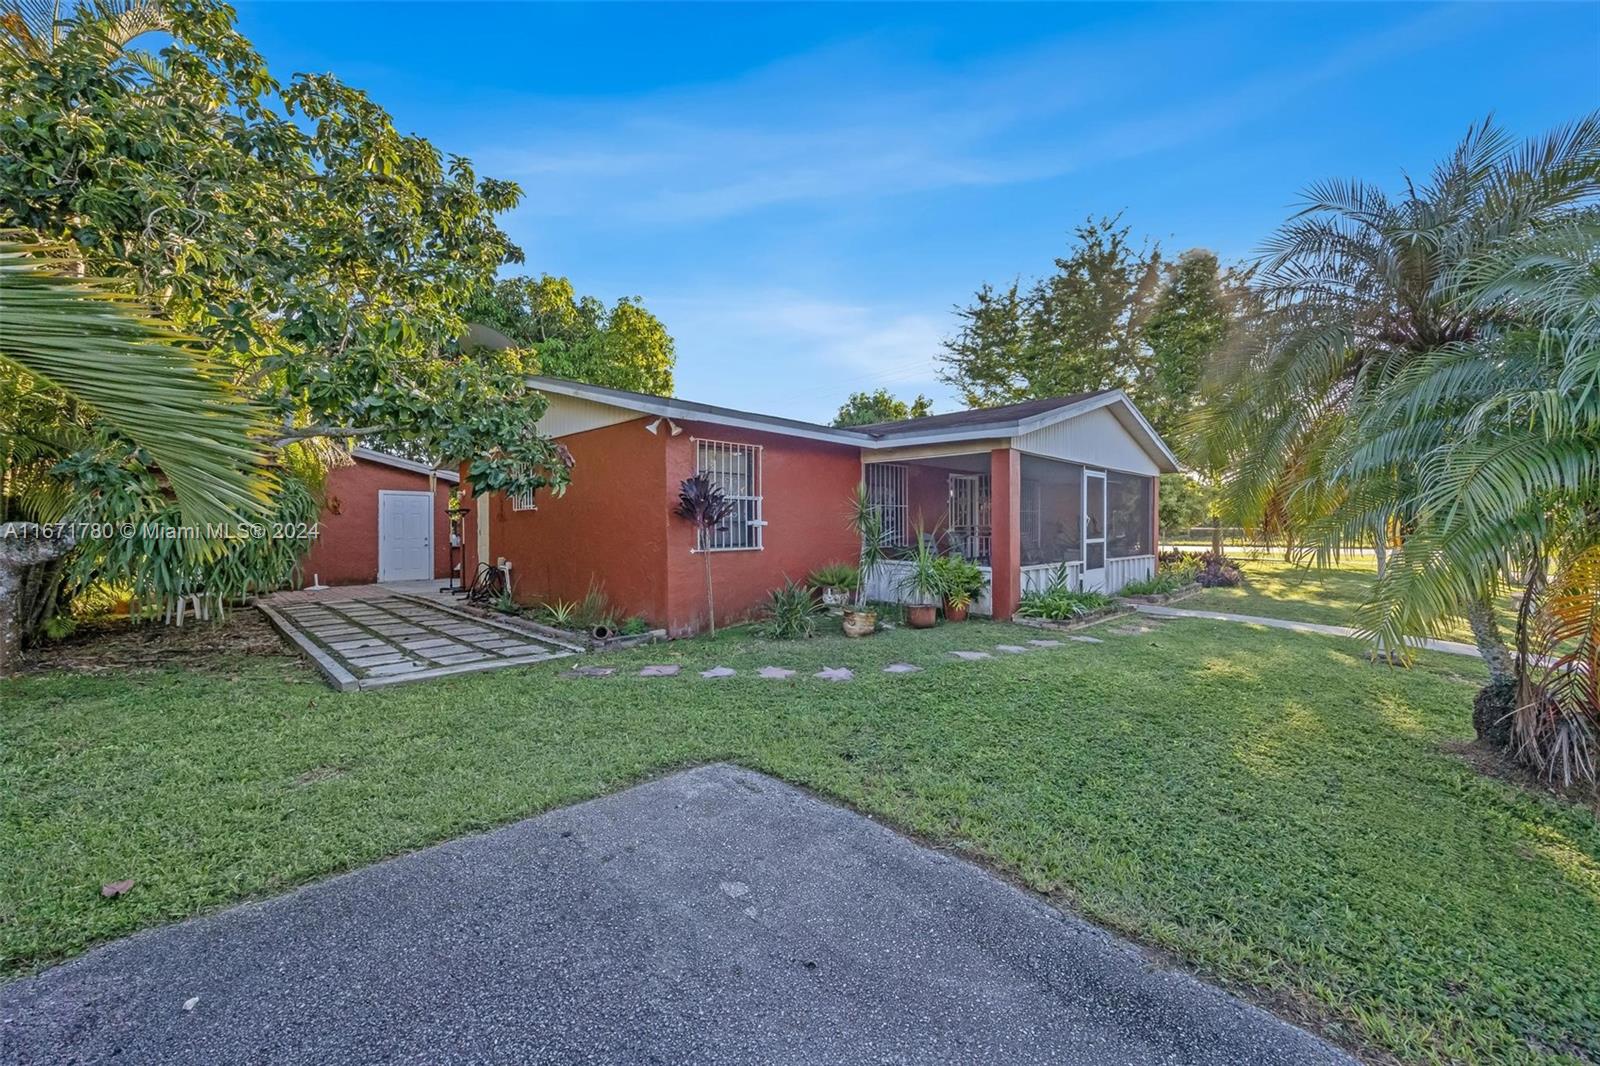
(1023, 490)
(383, 518)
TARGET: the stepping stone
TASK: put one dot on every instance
(588, 671)
(664, 670)
(901, 668)
(777, 673)
(427, 643)
(1011, 649)
(834, 673)
(972, 656)
(718, 671)
(1046, 643)
(404, 667)
(1087, 640)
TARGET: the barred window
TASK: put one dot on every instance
(886, 490)
(523, 501)
(736, 470)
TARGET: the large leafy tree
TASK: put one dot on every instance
(289, 227)
(865, 408)
(1075, 330)
(1404, 378)
(623, 346)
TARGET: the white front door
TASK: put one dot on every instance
(1094, 530)
(405, 535)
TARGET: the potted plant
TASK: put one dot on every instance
(859, 619)
(923, 585)
(963, 581)
(835, 583)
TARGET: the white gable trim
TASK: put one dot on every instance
(368, 455)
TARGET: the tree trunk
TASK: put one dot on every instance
(24, 549)
(1491, 645)
(711, 607)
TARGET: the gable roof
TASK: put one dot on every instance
(977, 416)
(398, 463)
(980, 423)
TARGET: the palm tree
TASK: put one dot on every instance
(704, 505)
(34, 28)
(79, 342)
(1360, 289)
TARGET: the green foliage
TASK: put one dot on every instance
(962, 581)
(92, 345)
(562, 614)
(923, 580)
(1187, 502)
(791, 612)
(1061, 604)
(1185, 332)
(634, 625)
(867, 522)
(137, 533)
(1163, 583)
(60, 626)
(1077, 330)
(865, 408)
(505, 603)
(579, 338)
(837, 576)
(288, 227)
(1427, 363)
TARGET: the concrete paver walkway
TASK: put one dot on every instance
(715, 916)
(366, 637)
(1449, 646)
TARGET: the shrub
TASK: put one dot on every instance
(633, 625)
(963, 581)
(1208, 568)
(791, 612)
(1162, 584)
(837, 576)
(1061, 604)
(560, 613)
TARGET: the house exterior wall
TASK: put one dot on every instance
(610, 526)
(1095, 439)
(806, 488)
(346, 549)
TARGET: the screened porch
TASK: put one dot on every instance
(1093, 528)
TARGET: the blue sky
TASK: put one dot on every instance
(803, 192)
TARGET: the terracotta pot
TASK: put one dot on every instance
(955, 614)
(922, 615)
(859, 623)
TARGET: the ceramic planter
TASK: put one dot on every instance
(955, 614)
(859, 623)
(922, 615)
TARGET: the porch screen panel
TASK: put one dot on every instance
(736, 470)
(1050, 511)
(1128, 502)
(886, 489)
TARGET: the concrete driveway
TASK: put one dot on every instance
(715, 916)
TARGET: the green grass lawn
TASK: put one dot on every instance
(1274, 588)
(1265, 806)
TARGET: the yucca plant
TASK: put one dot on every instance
(791, 612)
(703, 504)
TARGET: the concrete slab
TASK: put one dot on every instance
(715, 916)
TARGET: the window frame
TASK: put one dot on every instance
(894, 481)
(723, 453)
(523, 501)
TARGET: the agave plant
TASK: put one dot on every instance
(703, 504)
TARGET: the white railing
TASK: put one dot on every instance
(885, 586)
(1119, 572)
(888, 577)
